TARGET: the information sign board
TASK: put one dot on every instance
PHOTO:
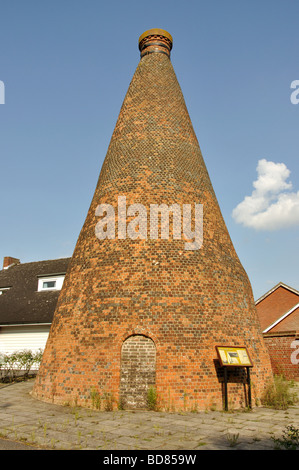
(233, 356)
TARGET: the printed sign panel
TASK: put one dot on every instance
(233, 356)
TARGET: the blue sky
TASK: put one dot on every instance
(66, 66)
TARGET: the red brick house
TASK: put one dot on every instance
(278, 311)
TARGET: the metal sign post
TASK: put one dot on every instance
(249, 387)
(225, 390)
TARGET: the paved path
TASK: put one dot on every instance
(7, 444)
(32, 422)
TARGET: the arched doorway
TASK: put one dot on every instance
(138, 371)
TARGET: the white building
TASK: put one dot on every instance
(28, 297)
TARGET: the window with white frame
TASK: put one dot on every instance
(3, 289)
(50, 283)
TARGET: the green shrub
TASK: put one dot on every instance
(278, 394)
(289, 440)
(108, 401)
(95, 398)
(19, 361)
(152, 399)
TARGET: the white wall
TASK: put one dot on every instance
(16, 338)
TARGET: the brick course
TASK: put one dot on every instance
(281, 346)
(273, 306)
(186, 302)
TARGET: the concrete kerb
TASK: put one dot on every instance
(27, 420)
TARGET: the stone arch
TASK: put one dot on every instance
(138, 371)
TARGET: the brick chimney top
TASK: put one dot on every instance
(155, 40)
(9, 261)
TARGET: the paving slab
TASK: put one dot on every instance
(54, 427)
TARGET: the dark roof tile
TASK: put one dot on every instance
(22, 303)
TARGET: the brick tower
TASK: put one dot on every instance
(140, 309)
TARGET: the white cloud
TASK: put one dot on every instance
(271, 205)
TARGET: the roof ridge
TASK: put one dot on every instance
(282, 317)
(280, 284)
(41, 261)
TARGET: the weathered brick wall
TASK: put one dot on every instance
(281, 347)
(187, 302)
(138, 371)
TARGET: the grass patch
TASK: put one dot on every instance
(152, 399)
(279, 394)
